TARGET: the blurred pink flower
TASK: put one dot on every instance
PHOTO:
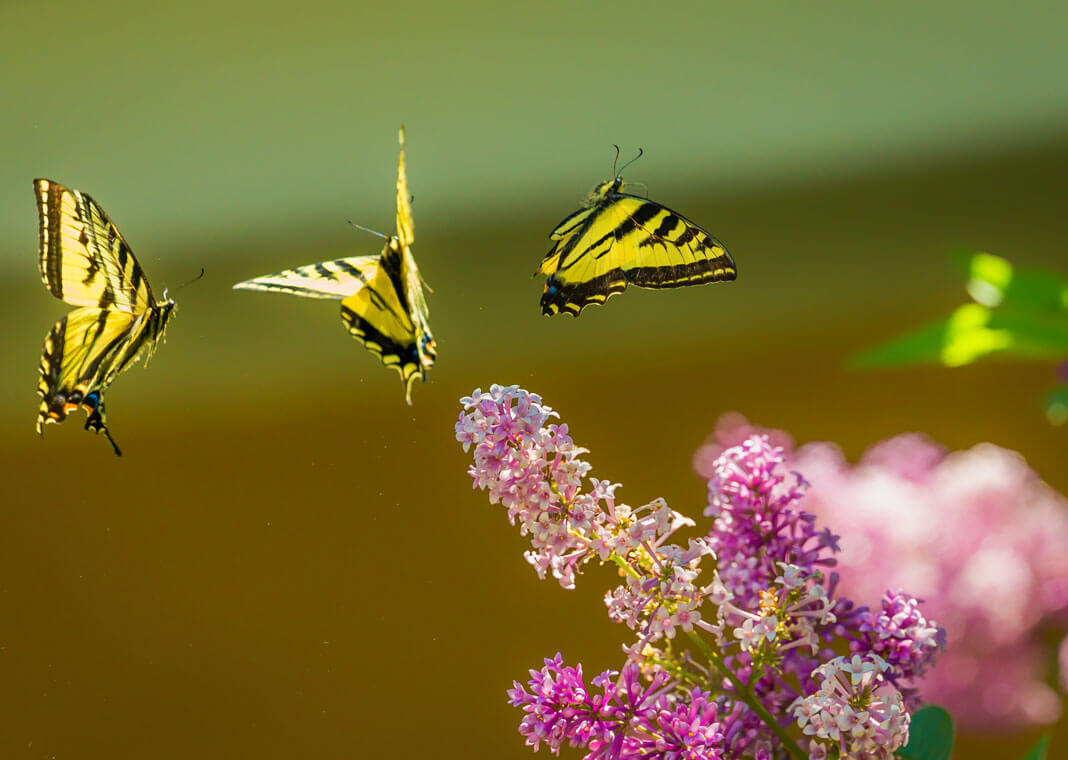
(976, 534)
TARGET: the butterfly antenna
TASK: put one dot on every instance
(368, 229)
(190, 282)
(615, 161)
(640, 152)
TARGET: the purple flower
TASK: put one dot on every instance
(758, 520)
(620, 718)
(901, 635)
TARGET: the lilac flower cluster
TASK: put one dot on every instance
(758, 524)
(974, 533)
(761, 623)
(854, 713)
(622, 718)
(534, 469)
(901, 635)
(772, 558)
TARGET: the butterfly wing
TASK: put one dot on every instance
(405, 222)
(82, 354)
(84, 259)
(381, 316)
(621, 240)
(336, 279)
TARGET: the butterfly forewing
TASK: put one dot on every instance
(405, 222)
(336, 279)
(84, 260)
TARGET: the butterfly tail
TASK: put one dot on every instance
(95, 421)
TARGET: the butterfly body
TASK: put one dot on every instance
(382, 300)
(618, 239)
(85, 262)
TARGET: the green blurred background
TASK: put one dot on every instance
(288, 561)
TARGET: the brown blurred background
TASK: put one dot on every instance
(288, 561)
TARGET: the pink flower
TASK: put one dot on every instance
(855, 710)
(976, 535)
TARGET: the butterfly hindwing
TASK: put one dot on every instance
(380, 316)
(620, 240)
(84, 260)
(80, 357)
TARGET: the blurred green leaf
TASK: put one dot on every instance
(1023, 314)
(930, 735)
(1047, 291)
(1038, 752)
(989, 278)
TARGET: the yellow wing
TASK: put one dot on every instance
(622, 239)
(81, 355)
(84, 259)
(327, 279)
(405, 222)
(385, 316)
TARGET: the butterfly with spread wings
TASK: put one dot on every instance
(617, 239)
(382, 300)
(85, 262)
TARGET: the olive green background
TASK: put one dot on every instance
(289, 561)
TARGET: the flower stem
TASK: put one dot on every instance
(747, 696)
(623, 564)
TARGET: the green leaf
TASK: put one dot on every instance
(1020, 314)
(974, 331)
(922, 345)
(993, 280)
(988, 278)
(960, 339)
(1039, 290)
(930, 735)
(1038, 752)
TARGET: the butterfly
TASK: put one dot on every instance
(85, 262)
(382, 300)
(617, 239)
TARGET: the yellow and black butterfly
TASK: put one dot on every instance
(85, 262)
(382, 300)
(617, 239)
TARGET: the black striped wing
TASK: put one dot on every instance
(622, 240)
(82, 354)
(337, 279)
(83, 258)
(389, 317)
